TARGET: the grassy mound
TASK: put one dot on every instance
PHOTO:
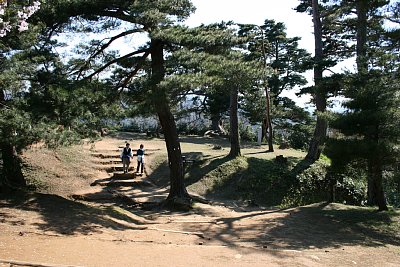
(268, 182)
(250, 179)
(58, 171)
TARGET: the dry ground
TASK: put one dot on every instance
(73, 223)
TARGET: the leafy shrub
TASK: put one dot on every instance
(310, 185)
(299, 137)
(191, 128)
(319, 182)
(392, 187)
(246, 133)
(296, 136)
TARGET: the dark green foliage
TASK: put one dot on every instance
(370, 125)
(293, 124)
(392, 186)
(369, 130)
(350, 183)
(299, 135)
(309, 186)
(269, 45)
(246, 132)
(16, 128)
(248, 179)
(316, 183)
(186, 128)
(271, 183)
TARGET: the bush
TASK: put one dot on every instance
(191, 128)
(311, 185)
(351, 191)
(392, 187)
(246, 133)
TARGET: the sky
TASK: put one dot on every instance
(256, 12)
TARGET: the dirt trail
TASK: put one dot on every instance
(101, 224)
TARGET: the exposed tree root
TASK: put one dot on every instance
(25, 263)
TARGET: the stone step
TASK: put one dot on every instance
(105, 156)
(107, 162)
(123, 176)
(118, 168)
(126, 183)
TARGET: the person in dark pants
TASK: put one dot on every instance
(126, 156)
(140, 159)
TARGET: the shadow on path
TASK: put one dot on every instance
(65, 216)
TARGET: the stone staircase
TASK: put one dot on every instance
(130, 188)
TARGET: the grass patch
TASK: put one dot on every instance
(218, 176)
(54, 170)
(261, 181)
(160, 170)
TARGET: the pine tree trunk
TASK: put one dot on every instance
(234, 124)
(217, 124)
(376, 195)
(178, 195)
(264, 130)
(318, 139)
(12, 172)
(375, 192)
(11, 175)
(362, 9)
(177, 186)
(319, 136)
(268, 121)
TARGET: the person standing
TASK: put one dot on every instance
(126, 156)
(140, 159)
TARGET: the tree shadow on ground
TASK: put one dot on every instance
(126, 136)
(258, 152)
(201, 140)
(160, 174)
(68, 217)
(304, 228)
(198, 170)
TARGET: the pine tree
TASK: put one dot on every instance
(329, 50)
(150, 17)
(269, 44)
(211, 63)
(369, 125)
(14, 123)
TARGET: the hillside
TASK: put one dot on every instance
(68, 221)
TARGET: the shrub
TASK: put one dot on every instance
(246, 133)
(310, 185)
(392, 187)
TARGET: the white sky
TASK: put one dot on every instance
(256, 12)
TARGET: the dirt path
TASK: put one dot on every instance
(104, 226)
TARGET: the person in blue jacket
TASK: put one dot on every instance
(140, 159)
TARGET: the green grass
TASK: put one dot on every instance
(257, 180)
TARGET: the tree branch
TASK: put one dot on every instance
(146, 51)
(135, 71)
(112, 39)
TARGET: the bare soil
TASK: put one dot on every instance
(71, 223)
